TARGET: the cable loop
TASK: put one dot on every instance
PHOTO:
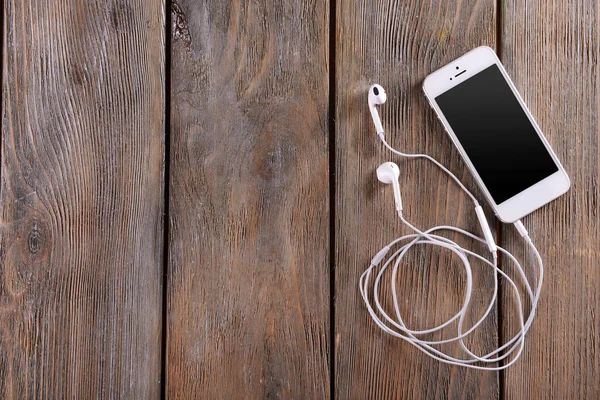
(394, 324)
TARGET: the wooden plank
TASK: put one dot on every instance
(397, 44)
(551, 51)
(81, 199)
(248, 287)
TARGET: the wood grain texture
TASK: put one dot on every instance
(248, 290)
(81, 199)
(397, 44)
(551, 50)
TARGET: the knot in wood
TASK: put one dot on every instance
(35, 237)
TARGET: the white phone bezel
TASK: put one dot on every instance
(531, 198)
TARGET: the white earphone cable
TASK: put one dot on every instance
(396, 326)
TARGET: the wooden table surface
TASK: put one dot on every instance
(188, 197)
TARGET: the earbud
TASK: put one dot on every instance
(389, 173)
(377, 97)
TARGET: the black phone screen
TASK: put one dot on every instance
(496, 134)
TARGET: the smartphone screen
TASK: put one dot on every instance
(496, 134)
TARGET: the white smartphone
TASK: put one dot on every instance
(496, 135)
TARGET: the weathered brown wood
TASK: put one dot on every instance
(248, 289)
(81, 199)
(551, 51)
(397, 45)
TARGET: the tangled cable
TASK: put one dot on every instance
(395, 326)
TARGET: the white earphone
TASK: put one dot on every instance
(377, 96)
(389, 173)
